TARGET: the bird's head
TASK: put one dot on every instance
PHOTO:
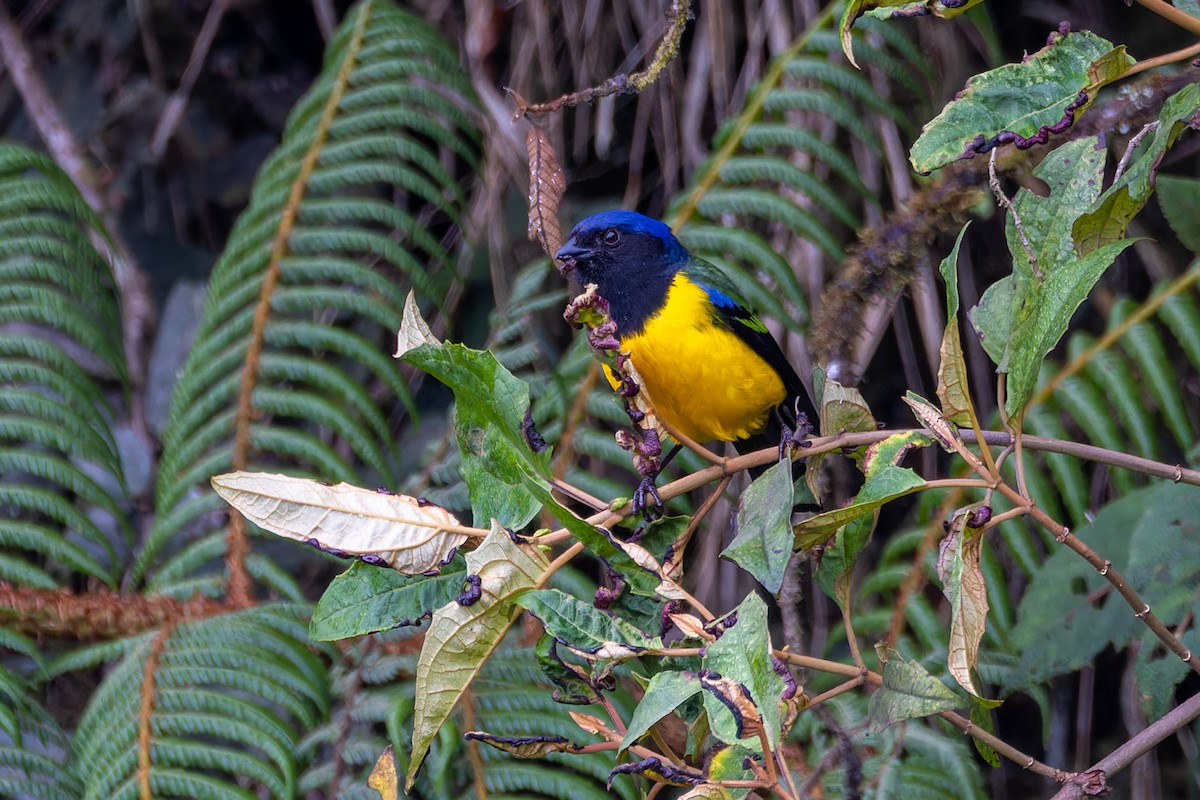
(621, 248)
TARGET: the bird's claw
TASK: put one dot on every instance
(646, 491)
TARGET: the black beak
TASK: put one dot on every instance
(566, 255)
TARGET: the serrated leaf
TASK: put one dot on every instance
(581, 626)
(884, 482)
(763, 545)
(409, 537)
(743, 655)
(842, 409)
(908, 692)
(665, 692)
(1021, 317)
(1179, 198)
(1024, 103)
(461, 637)
(953, 389)
(1105, 222)
(964, 586)
(366, 599)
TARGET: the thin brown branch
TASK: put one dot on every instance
(172, 113)
(1084, 784)
(668, 48)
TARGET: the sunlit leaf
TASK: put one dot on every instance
(952, 388)
(743, 654)
(409, 537)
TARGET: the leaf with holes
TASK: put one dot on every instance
(1023, 103)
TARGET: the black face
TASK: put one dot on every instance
(630, 258)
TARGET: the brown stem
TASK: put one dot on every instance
(172, 113)
(1146, 739)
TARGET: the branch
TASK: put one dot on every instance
(1092, 781)
(668, 48)
(1176, 15)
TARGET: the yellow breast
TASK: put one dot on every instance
(701, 378)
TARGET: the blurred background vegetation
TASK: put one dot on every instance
(165, 113)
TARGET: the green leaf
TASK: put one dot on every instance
(498, 464)
(908, 692)
(1021, 317)
(743, 655)
(1179, 198)
(366, 599)
(884, 483)
(461, 637)
(953, 389)
(840, 555)
(583, 627)
(1023, 103)
(763, 545)
(1105, 222)
(665, 693)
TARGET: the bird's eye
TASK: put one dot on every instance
(611, 237)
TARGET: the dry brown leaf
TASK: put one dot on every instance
(546, 188)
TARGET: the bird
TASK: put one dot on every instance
(711, 368)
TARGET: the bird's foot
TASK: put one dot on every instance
(792, 439)
(646, 500)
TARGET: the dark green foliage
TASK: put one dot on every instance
(58, 452)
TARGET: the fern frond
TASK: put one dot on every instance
(32, 746)
(779, 174)
(58, 457)
(304, 301)
(201, 708)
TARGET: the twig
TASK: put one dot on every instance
(1186, 54)
(668, 48)
(1134, 141)
(326, 17)
(1007, 204)
(172, 112)
(1146, 739)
